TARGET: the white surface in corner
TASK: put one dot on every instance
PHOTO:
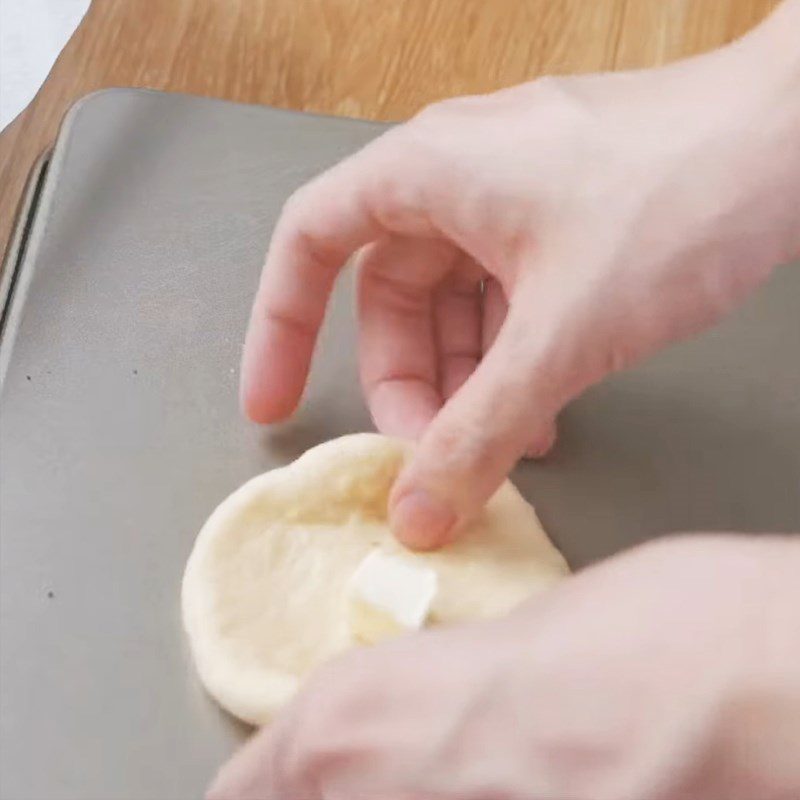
(32, 34)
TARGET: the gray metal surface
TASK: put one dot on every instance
(120, 431)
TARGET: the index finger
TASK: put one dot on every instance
(320, 227)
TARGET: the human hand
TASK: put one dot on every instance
(668, 673)
(604, 215)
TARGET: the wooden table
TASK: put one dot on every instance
(381, 59)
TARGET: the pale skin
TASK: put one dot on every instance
(514, 249)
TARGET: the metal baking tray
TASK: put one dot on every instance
(126, 297)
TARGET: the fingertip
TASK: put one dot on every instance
(273, 376)
(248, 401)
(422, 521)
(261, 405)
(543, 443)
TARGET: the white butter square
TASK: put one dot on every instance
(392, 587)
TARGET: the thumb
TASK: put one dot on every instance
(246, 776)
(262, 769)
(506, 408)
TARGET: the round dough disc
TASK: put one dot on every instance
(264, 591)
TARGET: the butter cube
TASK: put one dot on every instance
(389, 595)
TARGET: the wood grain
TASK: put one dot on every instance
(380, 59)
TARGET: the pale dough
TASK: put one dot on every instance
(264, 589)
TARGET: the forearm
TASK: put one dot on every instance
(777, 38)
(750, 747)
(732, 722)
(769, 64)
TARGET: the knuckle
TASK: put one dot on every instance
(295, 205)
(429, 136)
(565, 111)
(448, 109)
(553, 92)
(302, 232)
(293, 222)
(323, 255)
(548, 87)
(459, 447)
